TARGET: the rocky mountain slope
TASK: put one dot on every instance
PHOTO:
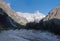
(16, 19)
(53, 14)
(52, 21)
(11, 13)
(9, 18)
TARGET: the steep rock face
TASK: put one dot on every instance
(52, 21)
(11, 13)
(5, 20)
(54, 13)
(9, 18)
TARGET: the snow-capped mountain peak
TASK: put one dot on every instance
(31, 17)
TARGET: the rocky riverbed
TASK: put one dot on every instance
(27, 35)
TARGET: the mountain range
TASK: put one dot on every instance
(12, 19)
(16, 19)
(19, 26)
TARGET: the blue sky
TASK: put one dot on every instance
(31, 6)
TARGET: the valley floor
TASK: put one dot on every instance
(27, 35)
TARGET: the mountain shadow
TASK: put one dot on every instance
(52, 25)
(7, 22)
(32, 25)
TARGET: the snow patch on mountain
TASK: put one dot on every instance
(31, 17)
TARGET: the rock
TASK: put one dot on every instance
(53, 14)
(9, 18)
(52, 21)
(11, 13)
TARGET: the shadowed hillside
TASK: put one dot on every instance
(7, 22)
(50, 23)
